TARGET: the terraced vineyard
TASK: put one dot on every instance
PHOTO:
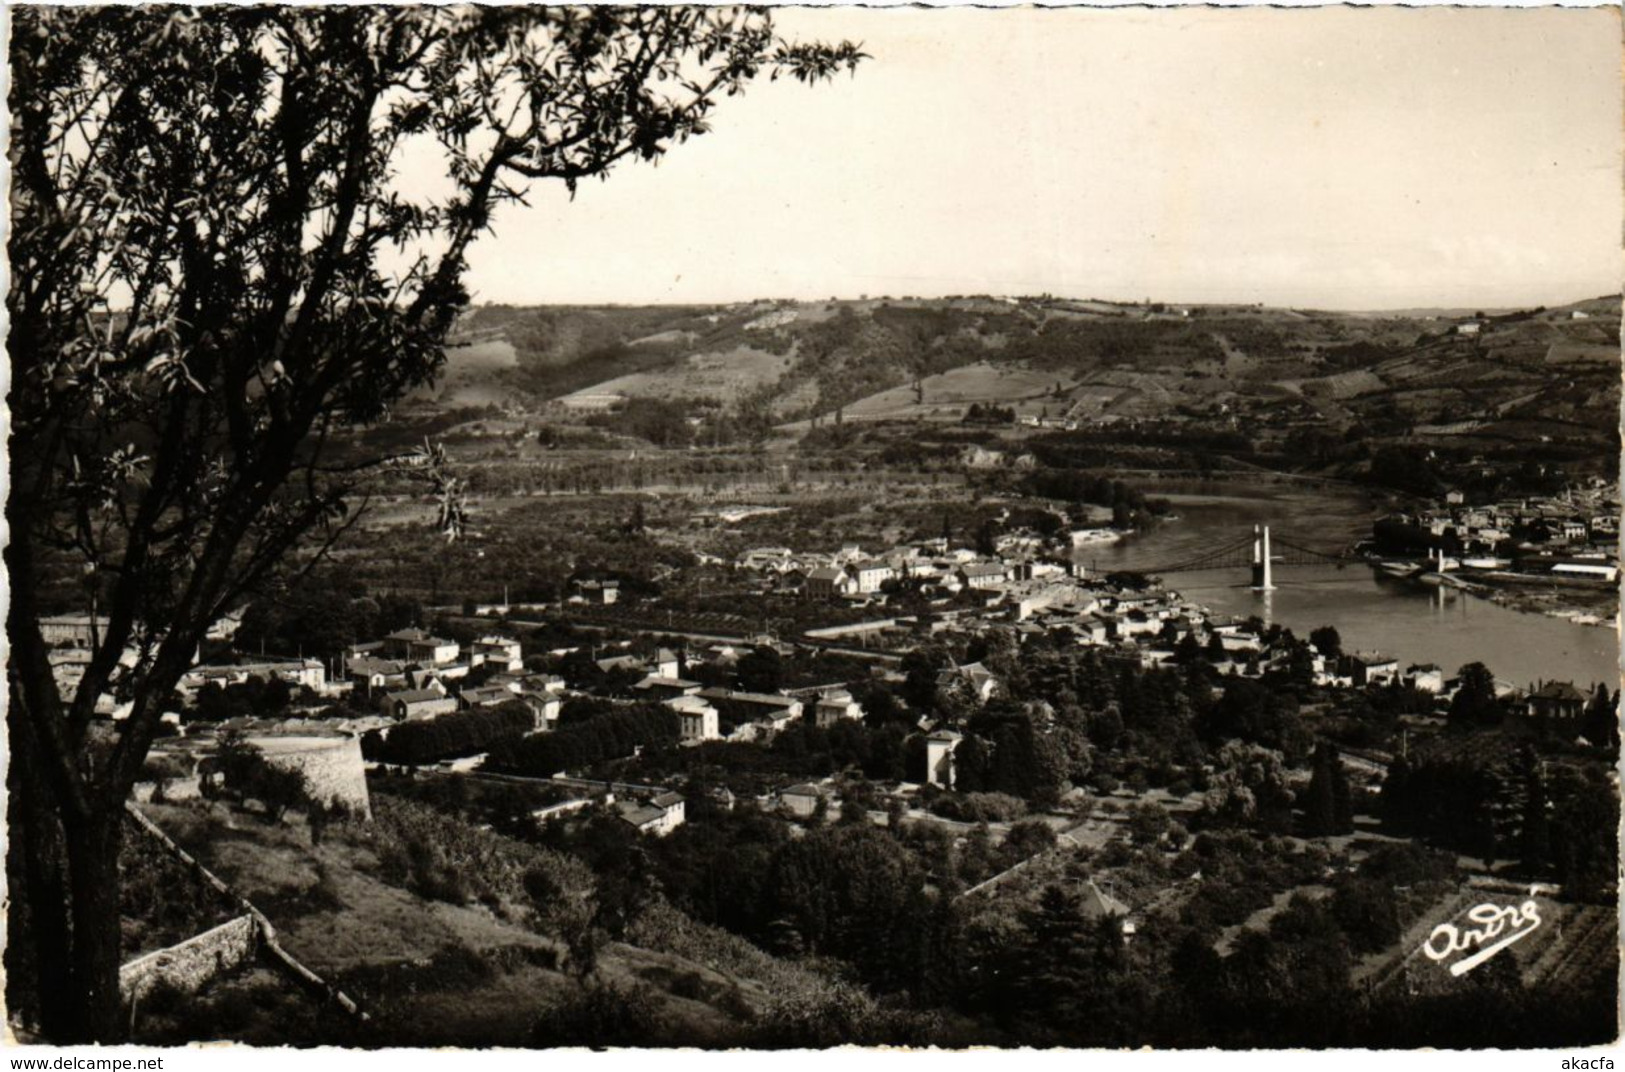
(1584, 948)
(1573, 950)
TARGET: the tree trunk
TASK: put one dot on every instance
(70, 920)
(37, 954)
(37, 922)
(93, 852)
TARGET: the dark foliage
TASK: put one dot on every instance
(607, 736)
(459, 733)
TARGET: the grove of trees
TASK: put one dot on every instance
(607, 736)
(460, 733)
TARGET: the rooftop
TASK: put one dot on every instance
(770, 699)
(413, 696)
(655, 682)
(640, 815)
(1557, 690)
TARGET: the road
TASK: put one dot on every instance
(718, 638)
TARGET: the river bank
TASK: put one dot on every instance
(1568, 603)
(1510, 629)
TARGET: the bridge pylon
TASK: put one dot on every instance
(1263, 581)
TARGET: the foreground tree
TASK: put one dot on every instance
(204, 206)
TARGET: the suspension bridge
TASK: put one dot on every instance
(1259, 552)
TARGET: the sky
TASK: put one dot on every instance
(1332, 158)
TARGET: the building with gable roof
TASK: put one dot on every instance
(833, 706)
(1556, 699)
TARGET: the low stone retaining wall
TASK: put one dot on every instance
(194, 963)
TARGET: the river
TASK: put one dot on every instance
(1411, 621)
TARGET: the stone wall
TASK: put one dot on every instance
(194, 963)
(332, 766)
(214, 950)
(175, 790)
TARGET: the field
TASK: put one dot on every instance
(946, 395)
(723, 377)
(469, 378)
(491, 353)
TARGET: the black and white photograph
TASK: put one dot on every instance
(784, 528)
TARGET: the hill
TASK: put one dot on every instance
(799, 360)
(439, 965)
(1415, 400)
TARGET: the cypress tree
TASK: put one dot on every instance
(1320, 805)
(1328, 807)
(1342, 794)
(1535, 836)
(1398, 797)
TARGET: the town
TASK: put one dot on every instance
(1565, 545)
(1026, 716)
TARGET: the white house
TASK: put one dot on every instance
(835, 705)
(696, 719)
(1372, 668)
(499, 652)
(602, 593)
(983, 575)
(802, 800)
(659, 815)
(667, 664)
(829, 582)
(981, 680)
(1426, 677)
(415, 645)
(417, 703)
(870, 575)
(544, 705)
(939, 757)
(307, 672)
(369, 674)
(1092, 629)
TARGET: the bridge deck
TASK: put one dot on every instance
(1243, 553)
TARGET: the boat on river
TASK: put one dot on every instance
(1082, 537)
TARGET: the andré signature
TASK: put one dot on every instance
(1517, 921)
